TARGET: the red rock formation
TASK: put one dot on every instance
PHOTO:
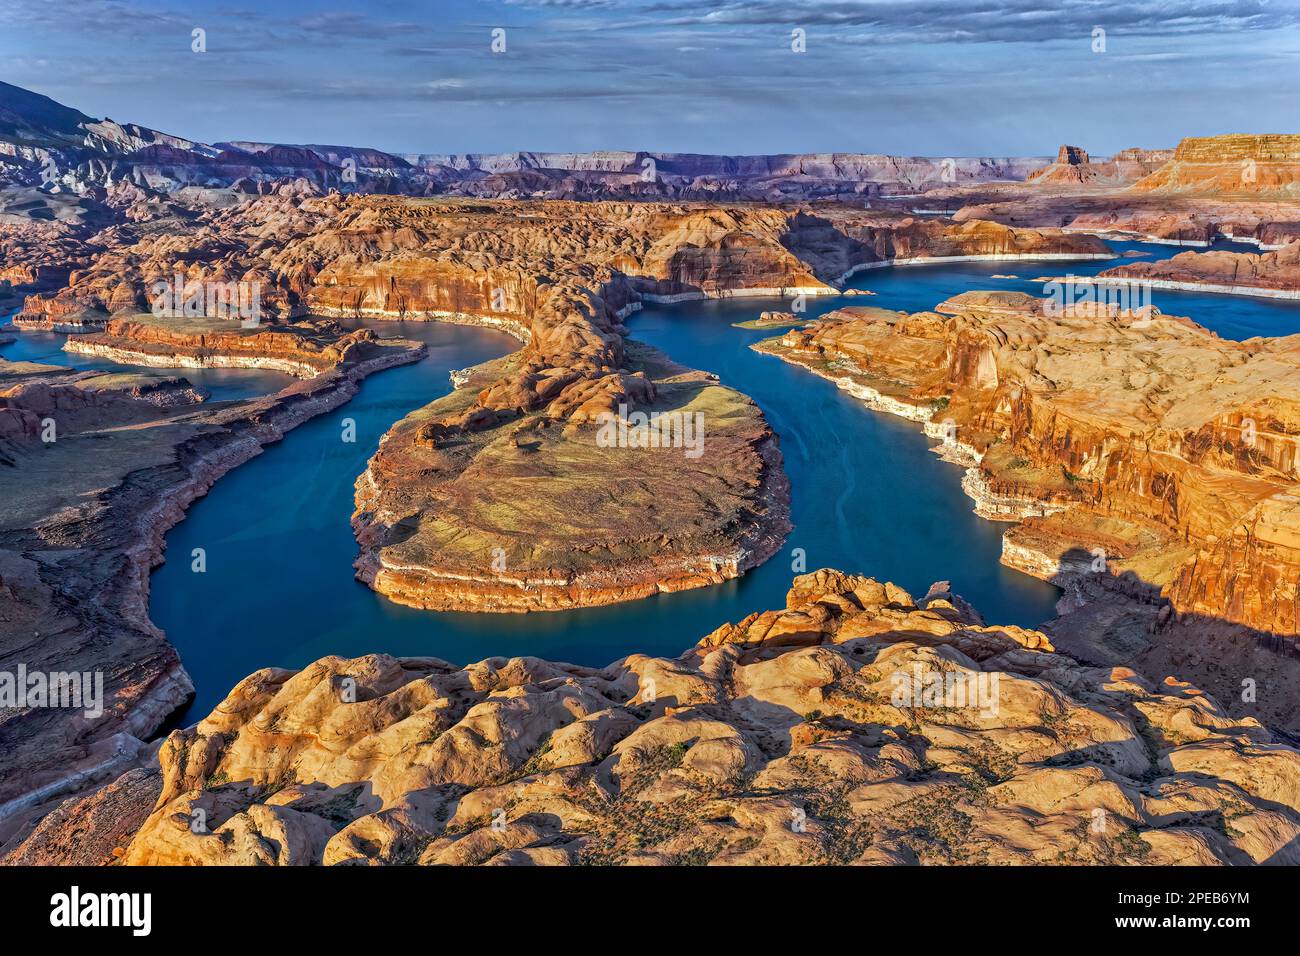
(1074, 165)
(892, 730)
(304, 349)
(1185, 443)
(1270, 273)
(1238, 163)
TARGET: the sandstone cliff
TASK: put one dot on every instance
(1172, 451)
(1074, 166)
(1268, 274)
(302, 349)
(1236, 163)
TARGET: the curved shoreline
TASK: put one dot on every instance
(248, 430)
(988, 506)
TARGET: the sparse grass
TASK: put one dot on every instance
(1130, 847)
(989, 765)
(935, 827)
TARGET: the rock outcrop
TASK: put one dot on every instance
(1274, 274)
(1074, 166)
(1245, 187)
(1172, 452)
(857, 725)
(560, 276)
(302, 349)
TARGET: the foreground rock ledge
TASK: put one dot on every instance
(780, 739)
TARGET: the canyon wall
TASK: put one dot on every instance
(1173, 452)
(1235, 163)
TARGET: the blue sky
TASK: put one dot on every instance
(925, 77)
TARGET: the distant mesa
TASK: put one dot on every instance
(1074, 165)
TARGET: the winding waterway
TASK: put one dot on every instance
(868, 496)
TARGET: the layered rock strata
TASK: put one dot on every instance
(302, 349)
(1074, 166)
(1234, 163)
(1272, 274)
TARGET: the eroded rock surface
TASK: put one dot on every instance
(463, 508)
(1274, 273)
(801, 735)
(304, 349)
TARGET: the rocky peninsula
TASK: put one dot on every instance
(1145, 464)
(1170, 449)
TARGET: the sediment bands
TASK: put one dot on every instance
(1274, 273)
(1171, 452)
(303, 349)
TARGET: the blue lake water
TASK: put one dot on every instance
(916, 288)
(867, 496)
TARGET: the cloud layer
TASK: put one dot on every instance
(928, 77)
